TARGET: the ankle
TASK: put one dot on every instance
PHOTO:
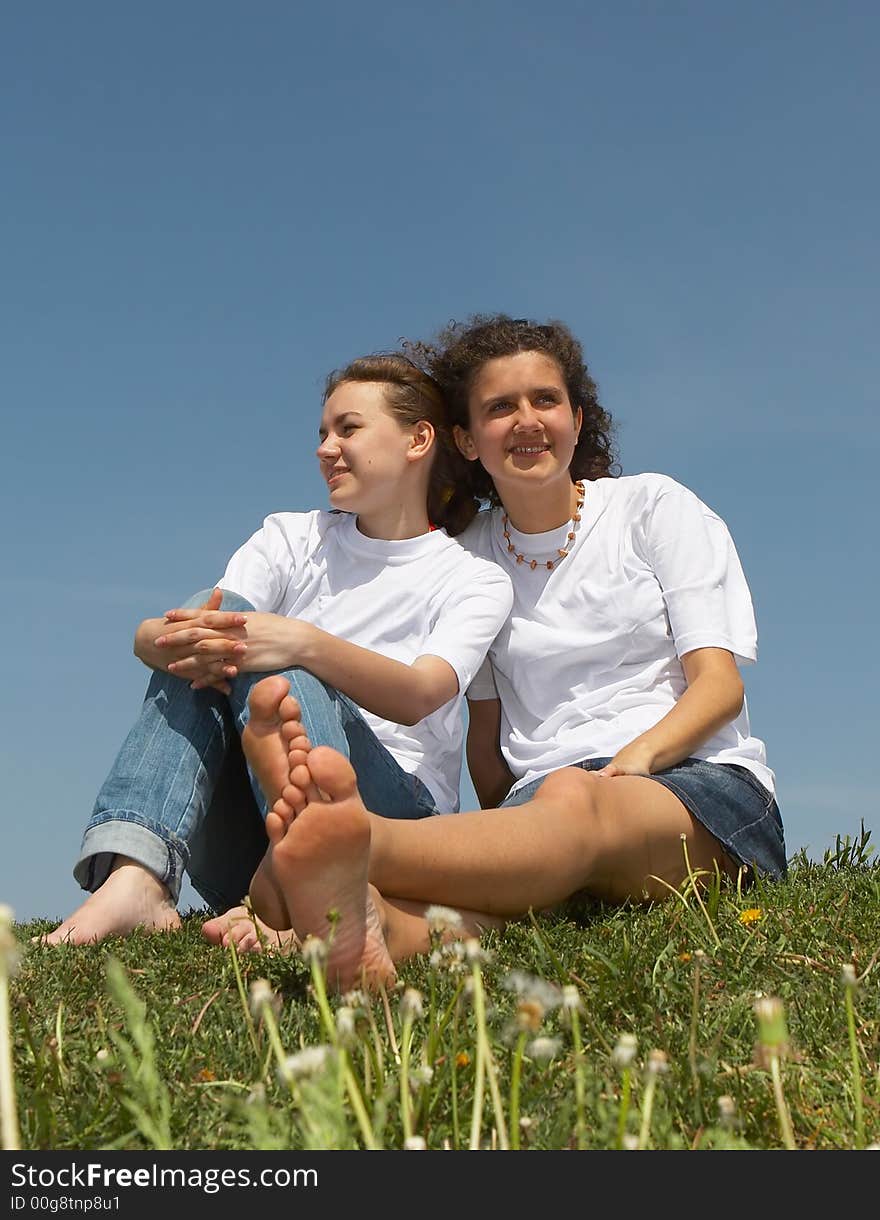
(143, 875)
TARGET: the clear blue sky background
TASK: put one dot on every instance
(206, 206)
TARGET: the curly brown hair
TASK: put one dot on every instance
(460, 349)
(412, 394)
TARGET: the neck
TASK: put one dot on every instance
(537, 510)
(395, 522)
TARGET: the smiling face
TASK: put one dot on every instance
(364, 452)
(521, 423)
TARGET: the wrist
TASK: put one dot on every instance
(304, 642)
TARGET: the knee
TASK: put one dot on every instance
(305, 687)
(231, 601)
(571, 786)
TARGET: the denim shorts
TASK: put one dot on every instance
(727, 799)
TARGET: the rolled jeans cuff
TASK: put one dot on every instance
(165, 855)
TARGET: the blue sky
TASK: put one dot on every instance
(208, 206)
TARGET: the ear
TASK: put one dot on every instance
(578, 420)
(422, 440)
(465, 443)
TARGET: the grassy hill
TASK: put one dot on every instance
(715, 1019)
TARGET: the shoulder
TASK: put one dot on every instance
(477, 538)
(472, 551)
(315, 523)
(289, 536)
(637, 497)
(474, 572)
(638, 489)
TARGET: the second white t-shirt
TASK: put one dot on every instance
(589, 658)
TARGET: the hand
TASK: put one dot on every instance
(275, 642)
(634, 759)
(203, 644)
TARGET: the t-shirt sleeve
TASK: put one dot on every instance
(704, 587)
(261, 569)
(483, 684)
(469, 621)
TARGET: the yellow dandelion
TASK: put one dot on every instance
(684, 957)
(752, 915)
(462, 1059)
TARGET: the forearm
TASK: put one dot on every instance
(491, 779)
(710, 702)
(489, 773)
(402, 693)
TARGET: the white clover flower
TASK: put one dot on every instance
(544, 1049)
(411, 1004)
(354, 999)
(415, 1143)
(529, 1015)
(848, 975)
(10, 950)
(261, 996)
(345, 1022)
(658, 1063)
(526, 1123)
(727, 1111)
(314, 950)
(625, 1051)
(307, 1062)
(474, 951)
(571, 999)
(423, 1075)
(443, 919)
(630, 1142)
(435, 960)
(533, 988)
(102, 1055)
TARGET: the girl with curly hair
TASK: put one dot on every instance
(609, 740)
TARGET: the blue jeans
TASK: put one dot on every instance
(180, 797)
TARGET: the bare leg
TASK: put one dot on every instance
(271, 708)
(613, 836)
(131, 897)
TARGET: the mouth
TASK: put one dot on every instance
(334, 476)
(528, 450)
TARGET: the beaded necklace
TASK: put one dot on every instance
(549, 564)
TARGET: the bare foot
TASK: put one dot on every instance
(271, 705)
(273, 736)
(131, 897)
(249, 934)
(320, 860)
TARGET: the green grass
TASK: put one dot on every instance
(148, 1042)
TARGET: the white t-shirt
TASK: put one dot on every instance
(589, 658)
(404, 599)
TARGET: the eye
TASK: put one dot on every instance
(496, 407)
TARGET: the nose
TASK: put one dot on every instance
(328, 450)
(527, 418)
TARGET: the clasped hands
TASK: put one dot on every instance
(208, 647)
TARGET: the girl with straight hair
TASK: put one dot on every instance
(378, 621)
